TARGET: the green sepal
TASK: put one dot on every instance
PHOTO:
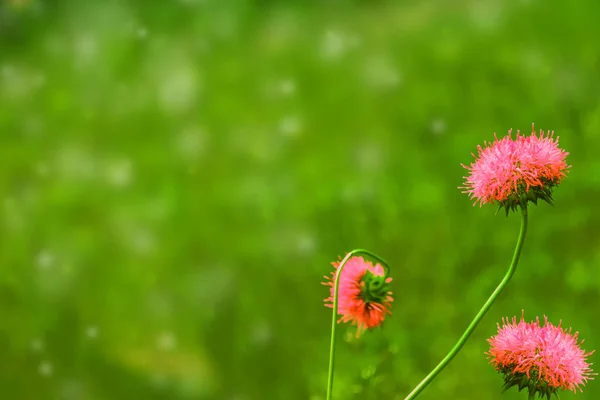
(533, 383)
(524, 195)
(375, 289)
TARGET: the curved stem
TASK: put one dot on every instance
(480, 314)
(335, 307)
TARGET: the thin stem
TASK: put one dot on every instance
(335, 308)
(480, 314)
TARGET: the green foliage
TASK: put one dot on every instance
(178, 176)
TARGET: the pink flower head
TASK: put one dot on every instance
(512, 172)
(364, 298)
(542, 359)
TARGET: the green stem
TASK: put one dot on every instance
(480, 314)
(335, 308)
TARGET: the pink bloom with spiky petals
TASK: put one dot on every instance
(364, 298)
(542, 358)
(513, 171)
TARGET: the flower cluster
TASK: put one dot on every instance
(364, 298)
(542, 359)
(512, 172)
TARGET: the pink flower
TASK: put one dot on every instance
(364, 298)
(543, 359)
(512, 172)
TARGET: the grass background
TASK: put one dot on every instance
(177, 177)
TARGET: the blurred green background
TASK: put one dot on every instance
(177, 177)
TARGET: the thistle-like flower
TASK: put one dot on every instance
(364, 296)
(542, 359)
(512, 172)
